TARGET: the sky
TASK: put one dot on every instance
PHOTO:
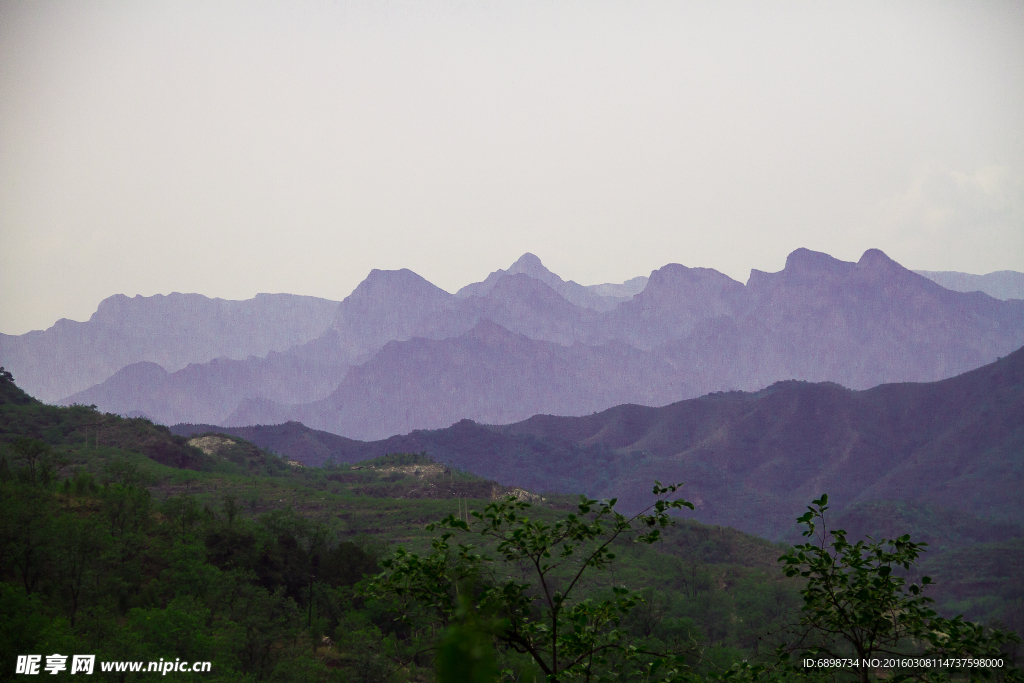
(232, 148)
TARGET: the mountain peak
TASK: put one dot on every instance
(525, 261)
(877, 259)
(528, 264)
(401, 275)
(806, 261)
(402, 282)
(674, 278)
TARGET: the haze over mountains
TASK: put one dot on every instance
(400, 354)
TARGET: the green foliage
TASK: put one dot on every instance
(23, 623)
(465, 653)
(136, 545)
(401, 460)
(528, 594)
(858, 605)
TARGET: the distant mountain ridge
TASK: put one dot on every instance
(690, 331)
(489, 374)
(597, 297)
(1001, 284)
(372, 365)
(172, 331)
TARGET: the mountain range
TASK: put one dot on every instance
(172, 331)
(400, 353)
(750, 460)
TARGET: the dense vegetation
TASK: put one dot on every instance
(122, 540)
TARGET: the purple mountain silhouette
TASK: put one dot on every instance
(424, 358)
(865, 323)
(530, 307)
(597, 297)
(172, 331)
(1002, 284)
(488, 374)
(210, 392)
(674, 301)
(391, 305)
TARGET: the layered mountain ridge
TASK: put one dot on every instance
(400, 353)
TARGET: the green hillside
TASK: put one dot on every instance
(123, 540)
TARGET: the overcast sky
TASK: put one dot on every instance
(231, 148)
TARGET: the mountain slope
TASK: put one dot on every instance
(692, 331)
(753, 460)
(864, 323)
(675, 300)
(958, 442)
(527, 306)
(211, 391)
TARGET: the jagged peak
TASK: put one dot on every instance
(801, 265)
(401, 274)
(491, 333)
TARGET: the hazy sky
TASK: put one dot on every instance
(230, 148)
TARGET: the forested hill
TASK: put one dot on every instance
(312, 447)
(79, 429)
(751, 460)
(120, 539)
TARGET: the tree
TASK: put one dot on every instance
(858, 607)
(184, 514)
(35, 457)
(528, 597)
(76, 557)
(26, 536)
